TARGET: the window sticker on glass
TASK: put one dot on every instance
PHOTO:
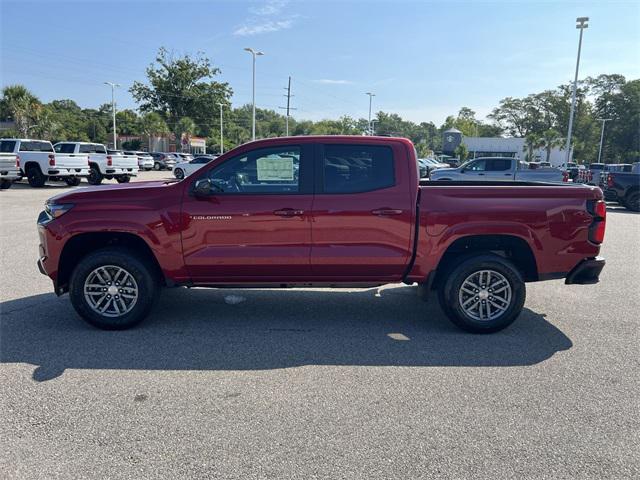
(274, 168)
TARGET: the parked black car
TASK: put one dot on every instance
(624, 188)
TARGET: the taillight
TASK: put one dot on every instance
(109, 161)
(590, 176)
(599, 212)
(18, 161)
(609, 180)
(52, 160)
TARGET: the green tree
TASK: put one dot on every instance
(152, 124)
(185, 126)
(461, 152)
(532, 142)
(181, 87)
(21, 106)
(551, 139)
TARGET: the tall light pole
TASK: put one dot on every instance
(581, 24)
(254, 54)
(371, 95)
(221, 131)
(113, 110)
(373, 126)
(603, 120)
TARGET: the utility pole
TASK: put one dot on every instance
(371, 95)
(221, 130)
(113, 109)
(581, 25)
(254, 54)
(603, 120)
(288, 107)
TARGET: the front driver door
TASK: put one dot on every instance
(256, 223)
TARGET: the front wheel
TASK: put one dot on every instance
(112, 289)
(483, 294)
(179, 173)
(123, 179)
(157, 166)
(632, 202)
(72, 181)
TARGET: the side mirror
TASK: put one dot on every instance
(202, 188)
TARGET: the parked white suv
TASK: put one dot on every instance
(145, 160)
(101, 163)
(39, 162)
(183, 169)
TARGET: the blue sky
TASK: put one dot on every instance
(423, 60)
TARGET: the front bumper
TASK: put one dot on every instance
(68, 171)
(587, 272)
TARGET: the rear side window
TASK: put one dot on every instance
(7, 146)
(92, 148)
(357, 168)
(35, 146)
(65, 148)
(499, 165)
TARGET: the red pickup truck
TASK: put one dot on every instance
(335, 211)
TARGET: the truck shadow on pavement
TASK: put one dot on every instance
(202, 329)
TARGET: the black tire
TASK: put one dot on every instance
(157, 166)
(146, 282)
(72, 181)
(123, 179)
(449, 293)
(632, 202)
(36, 178)
(178, 173)
(4, 184)
(95, 177)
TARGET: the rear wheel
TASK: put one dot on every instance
(4, 184)
(95, 177)
(123, 179)
(632, 201)
(72, 181)
(112, 289)
(483, 294)
(179, 173)
(35, 176)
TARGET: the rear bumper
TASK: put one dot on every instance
(586, 272)
(59, 171)
(10, 174)
(133, 171)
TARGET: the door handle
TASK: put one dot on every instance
(383, 212)
(507, 174)
(481, 174)
(288, 212)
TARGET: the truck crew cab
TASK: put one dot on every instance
(320, 211)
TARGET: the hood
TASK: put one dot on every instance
(115, 192)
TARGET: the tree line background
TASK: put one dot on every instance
(181, 95)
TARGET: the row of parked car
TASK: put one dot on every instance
(40, 161)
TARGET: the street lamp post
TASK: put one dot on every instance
(581, 24)
(373, 126)
(221, 131)
(113, 110)
(371, 95)
(254, 54)
(603, 120)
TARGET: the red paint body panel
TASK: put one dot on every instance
(337, 238)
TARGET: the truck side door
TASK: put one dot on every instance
(363, 212)
(256, 223)
(500, 169)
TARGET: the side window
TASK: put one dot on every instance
(57, 148)
(267, 170)
(499, 165)
(477, 166)
(65, 148)
(357, 168)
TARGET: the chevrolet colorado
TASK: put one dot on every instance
(333, 211)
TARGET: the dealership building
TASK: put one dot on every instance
(497, 147)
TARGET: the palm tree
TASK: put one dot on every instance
(551, 139)
(185, 126)
(532, 142)
(19, 104)
(153, 124)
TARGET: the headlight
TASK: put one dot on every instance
(56, 210)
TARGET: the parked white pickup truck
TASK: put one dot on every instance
(9, 169)
(499, 169)
(39, 163)
(102, 164)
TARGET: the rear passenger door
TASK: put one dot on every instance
(362, 212)
(499, 169)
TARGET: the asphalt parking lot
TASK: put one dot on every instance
(317, 383)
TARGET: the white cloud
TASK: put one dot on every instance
(262, 27)
(328, 81)
(266, 18)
